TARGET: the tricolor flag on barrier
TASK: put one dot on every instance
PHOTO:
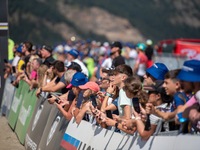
(69, 142)
(3, 26)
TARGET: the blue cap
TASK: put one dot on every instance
(74, 52)
(190, 71)
(130, 45)
(19, 49)
(79, 79)
(158, 71)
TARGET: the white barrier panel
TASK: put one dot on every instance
(88, 136)
(8, 94)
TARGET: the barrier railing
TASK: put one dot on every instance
(40, 125)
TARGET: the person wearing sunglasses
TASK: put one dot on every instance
(46, 54)
(156, 72)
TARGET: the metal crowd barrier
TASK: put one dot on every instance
(40, 125)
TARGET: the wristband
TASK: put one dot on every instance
(116, 124)
(40, 89)
(138, 118)
(108, 94)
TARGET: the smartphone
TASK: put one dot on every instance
(93, 99)
(109, 114)
(13, 69)
(136, 104)
(180, 118)
(49, 96)
(56, 100)
(5, 61)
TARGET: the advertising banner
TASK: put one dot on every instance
(16, 104)
(54, 131)
(25, 114)
(37, 124)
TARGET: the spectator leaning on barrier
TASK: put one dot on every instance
(58, 83)
(157, 97)
(116, 54)
(90, 88)
(141, 61)
(77, 80)
(156, 72)
(189, 76)
(46, 54)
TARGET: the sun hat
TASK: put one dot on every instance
(190, 71)
(158, 71)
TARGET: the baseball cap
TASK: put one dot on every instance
(74, 66)
(149, 42)
(116, 44)
(158, 71)
(79, 79)
(48, 48)
(141, 46)
(190, 71)
(74, 52)
(130, 45)
(90, 85)
(158, 88)
(19, 49)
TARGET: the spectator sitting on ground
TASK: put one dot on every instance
(90, 88)
(77, 80)
(46, 54)
(172, 87)
(158, 97)
(156, 72)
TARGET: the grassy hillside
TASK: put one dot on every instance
(158, 19)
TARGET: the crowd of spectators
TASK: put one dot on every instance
(97, 86)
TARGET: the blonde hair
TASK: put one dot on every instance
(41, 72)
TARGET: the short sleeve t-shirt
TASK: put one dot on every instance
(71, 96)
(79, 99)
(179, 99)
(21, 62)
(34, 75)
(154, 119)
(107, 63)
(118, 61)
(62, 79)
(142, 61)
(123, 101)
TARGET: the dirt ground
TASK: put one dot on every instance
(8, 138)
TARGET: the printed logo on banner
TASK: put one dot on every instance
(16, 103)
(30, 143)
(24, 114)
(37, 116)
(53, 129)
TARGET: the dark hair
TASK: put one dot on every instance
(75, 66)
(59, 65)
(172, 75)
(109, 71)
(124, 69)
(28, 45)
(134, 85)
